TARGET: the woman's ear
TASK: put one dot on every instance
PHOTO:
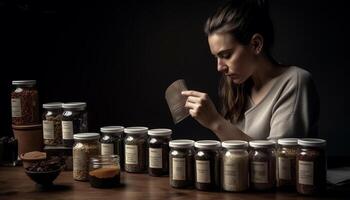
(257, 43)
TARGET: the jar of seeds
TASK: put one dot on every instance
(52, 127)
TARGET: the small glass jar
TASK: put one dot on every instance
(158, 151)
(234, 166)
(181, 167)
(52, 123)
(112, 142)
(25, 103)
(262, 161)
(104, 171)
(74, 120)
(135, 149)
(311, 166)
(85, 146)
(286, 162)
(207, 165)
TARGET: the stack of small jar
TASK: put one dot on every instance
(235, 166)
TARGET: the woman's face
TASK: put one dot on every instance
(233, 59)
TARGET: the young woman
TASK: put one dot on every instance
(261, 98)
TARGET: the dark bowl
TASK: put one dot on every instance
(44, 178)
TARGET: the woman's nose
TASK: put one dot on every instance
(221, 65)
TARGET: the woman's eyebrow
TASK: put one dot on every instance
(223, 51)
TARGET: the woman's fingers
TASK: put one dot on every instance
(193, 93)
(193, 99)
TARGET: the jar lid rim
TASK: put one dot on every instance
(23, 82)
(74, 105)
(261, 143)
(112, 129)
(181, 143)
(312, 142)
(288, 141)
(207, 144)
(136, 129)
(86, 136)
(234, 144)
(160, 132)
(53, 105)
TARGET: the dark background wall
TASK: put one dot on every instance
(120, 57)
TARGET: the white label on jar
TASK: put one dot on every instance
(80, 160)
(48, 129)
(107, 149)
(16, 107)
(284, 168)
(203, 171)
(259, 172)
(306, 172)
(131, 155)
(155, 157)
(67, 130)
(179, 169)
(231, 176)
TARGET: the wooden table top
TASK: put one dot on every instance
(15, 184)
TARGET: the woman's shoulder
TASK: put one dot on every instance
(296, 75)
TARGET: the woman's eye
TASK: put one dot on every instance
(226, 55)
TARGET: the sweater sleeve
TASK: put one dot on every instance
(296, 112)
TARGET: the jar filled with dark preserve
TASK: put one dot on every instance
(286, 163)
(311, 166)
(207, 165)
(104, 171)
(52, 123)
(135, 149)
(74, 120)
(262, 161)
(181, 167)
(112, 142)
(158, 151)
(25, 103)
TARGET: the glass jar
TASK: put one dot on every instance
(104, 171)
(311, 166)
(52, 126)
(207, 165)
(158, 151)
(85, 146)
(74, 120)
(286, 162)
(135, 149)
(181, 167)
(262, 161)
(112, 142)
(234, 166)
(25, 103)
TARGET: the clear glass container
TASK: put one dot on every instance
(286, 163)
(234, 166)
(311, 166)
(112, 142)
(74, 120)
(262, 161)
(85, 146)
(158, 151)
(135, 149)
(25, 103)
(52, 123)
(181, 163)
(104, 171)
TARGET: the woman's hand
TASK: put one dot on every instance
(201, 108)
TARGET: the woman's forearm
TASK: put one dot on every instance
(225, 130)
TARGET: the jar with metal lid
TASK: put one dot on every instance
(25, 103)
(234, 166)
(262, 161)
(207, 163)
(52, 123)
(286, 162)
(104, 171)
(158, 151)
(112, 142)
(135, 149)
(181, 163)
(311, 166)
(85, 146)
(74, 120)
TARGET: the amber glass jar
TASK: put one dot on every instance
(286, 163)
(311, 166)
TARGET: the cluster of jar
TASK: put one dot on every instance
(235, 166)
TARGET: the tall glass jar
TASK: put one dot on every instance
(112, 142)
(207, 165)
(158, 151)
(52, 123)
(311, 166)
(262, 161)
(286, 163)
(25, 103)
(181, 167)
(74, 120)
(234, 166)
(104, 171)
(135, 149)
(85, 146)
